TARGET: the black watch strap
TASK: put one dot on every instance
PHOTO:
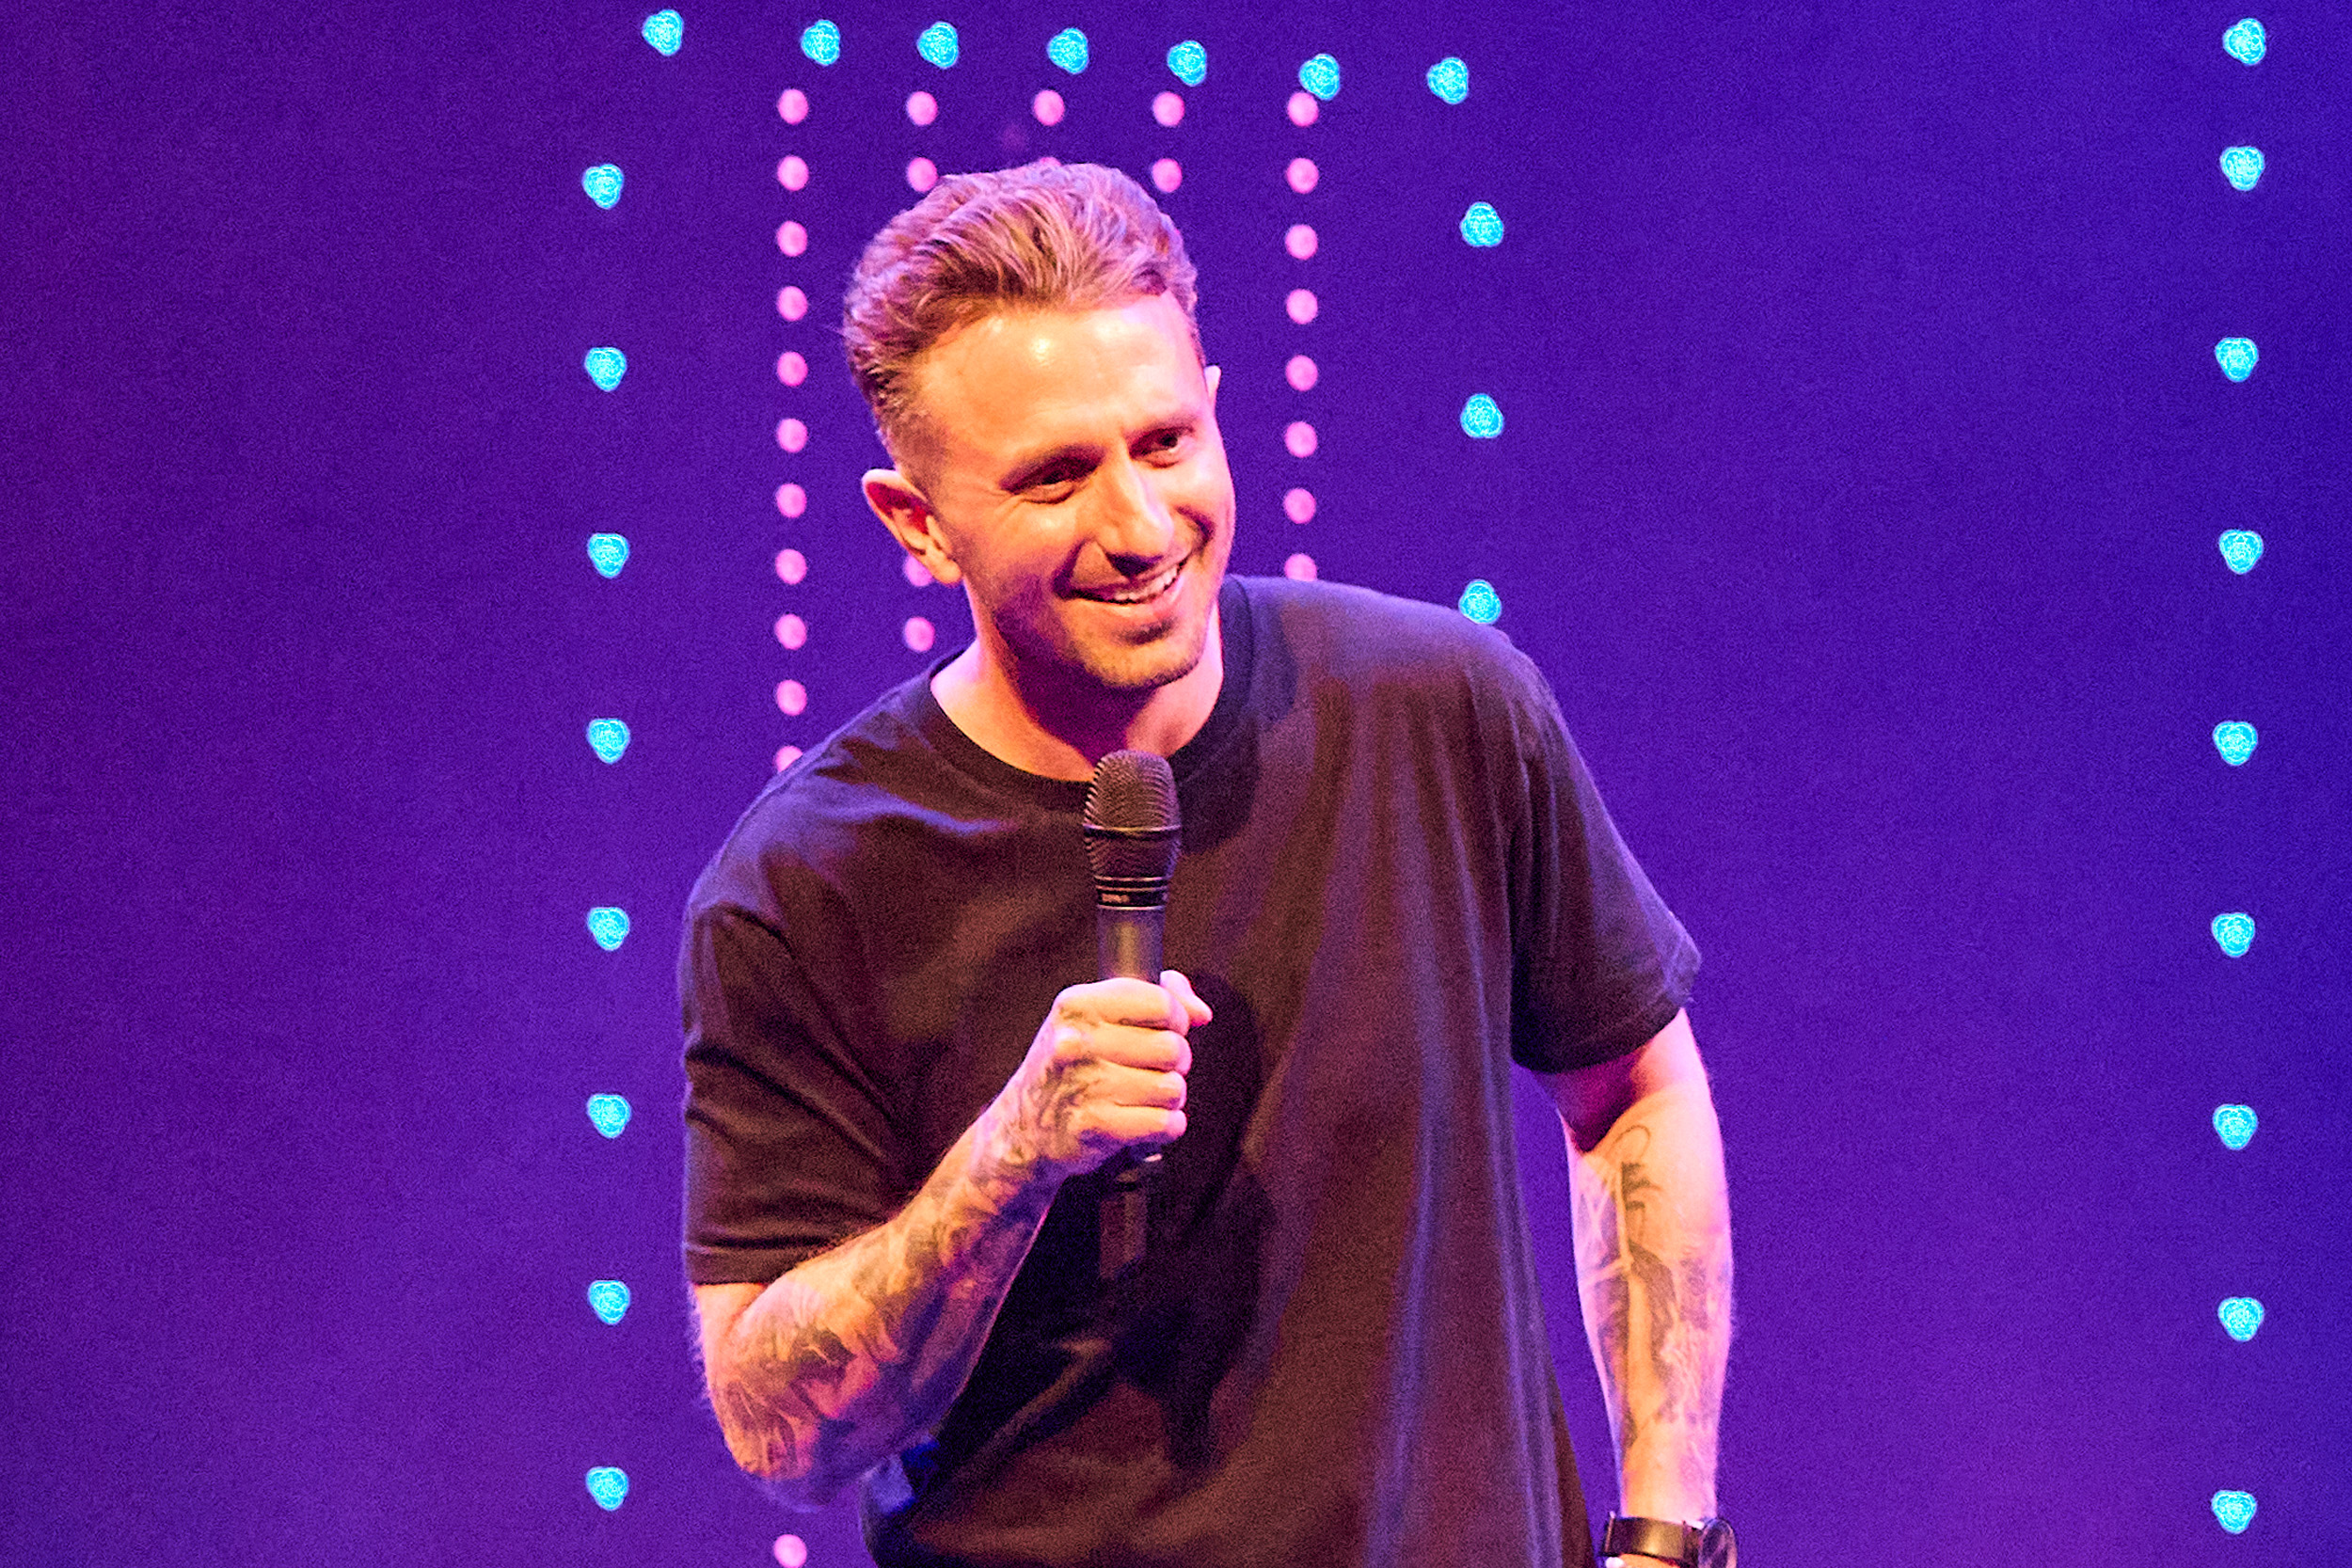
(1669, 1538)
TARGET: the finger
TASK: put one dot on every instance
(1140, 1045)
(1136, 1088)
(1143, 1126)
(1196, 1010)
(1137, 1003)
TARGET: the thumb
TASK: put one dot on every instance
(1190, 1008)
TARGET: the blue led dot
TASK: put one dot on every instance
(665, 31)
(2237, 356)
(2233, 933)
(1449, 79)
(607, 738)
(821, 40)
(605, 365)
(1481, 603)
(1481, 417)
(608, 926)
(1321, 76)
(2240, 549)
(1189, 62)
(608, 553)
(2242, 166)
(1482, 226)
(2241, 1318)
(603, 185)
(2235, 740)
(2234, 1510)
(608, 1299)
(2245, 42)
(2236, 1125)
(939, 44)
(609, 1112)
(1068, 49)
(608, 1486)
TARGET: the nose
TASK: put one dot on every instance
(1134, 526)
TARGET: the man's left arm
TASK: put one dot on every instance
(1653, 1255)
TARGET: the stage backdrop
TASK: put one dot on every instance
(1913, 438)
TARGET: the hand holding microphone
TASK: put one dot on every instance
(1105, 1076)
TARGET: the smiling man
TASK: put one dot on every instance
(906, 1095)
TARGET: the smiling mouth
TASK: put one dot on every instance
(1151, 588)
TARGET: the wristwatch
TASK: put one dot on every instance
(1708, 1544)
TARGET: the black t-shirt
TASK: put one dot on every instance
(1396, 879)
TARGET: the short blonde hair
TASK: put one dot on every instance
(1043, 236)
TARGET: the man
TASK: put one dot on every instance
(1396, 879)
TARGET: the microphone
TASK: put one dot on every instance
(1133, 827)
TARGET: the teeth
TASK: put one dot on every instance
(1149, 591)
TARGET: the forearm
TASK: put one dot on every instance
(849, 1357)
(1653, 1241)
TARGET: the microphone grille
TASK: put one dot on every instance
(1133, 789)
(1131, 821)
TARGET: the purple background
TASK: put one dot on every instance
(1865, 458)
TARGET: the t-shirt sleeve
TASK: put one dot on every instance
(789, 1146)
(1601, 964)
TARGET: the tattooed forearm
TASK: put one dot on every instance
(1654, 1269)
(849, 1356)
(829, 1371)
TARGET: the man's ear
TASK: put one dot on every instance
(1212, 375)
(911, 520)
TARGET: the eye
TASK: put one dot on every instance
(1166, 443)
(1057, 484)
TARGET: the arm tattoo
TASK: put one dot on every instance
(1658, 1303)
(848, 1358)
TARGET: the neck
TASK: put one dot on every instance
(1061, 729)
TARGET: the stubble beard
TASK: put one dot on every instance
(1135, 665)
(1134, 668)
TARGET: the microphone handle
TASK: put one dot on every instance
(1128, 945)
(1127, 941)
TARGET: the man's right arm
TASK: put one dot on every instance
(825, 1372)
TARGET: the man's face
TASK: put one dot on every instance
(1078, 488)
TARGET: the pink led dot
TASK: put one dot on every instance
(791, 565)
(922, 174)
(792, 172)
(791, 304)
(919, 634)
(1166, 173)
(1302, 175)
(792, 370)
(786, 757)
(1301, 304)
(791, 1551)
(1298, 505)
(1169, 109)
(1304, 109)
(1300, 240)
(922, 107)
(791, 238)
(1300, 373)
(791, 631)
(1048, 107)
(791, 500)
(1300, 438)
(791, 435)
(918, 574)
(792, 697)
(1300, 567)
(792, 106)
